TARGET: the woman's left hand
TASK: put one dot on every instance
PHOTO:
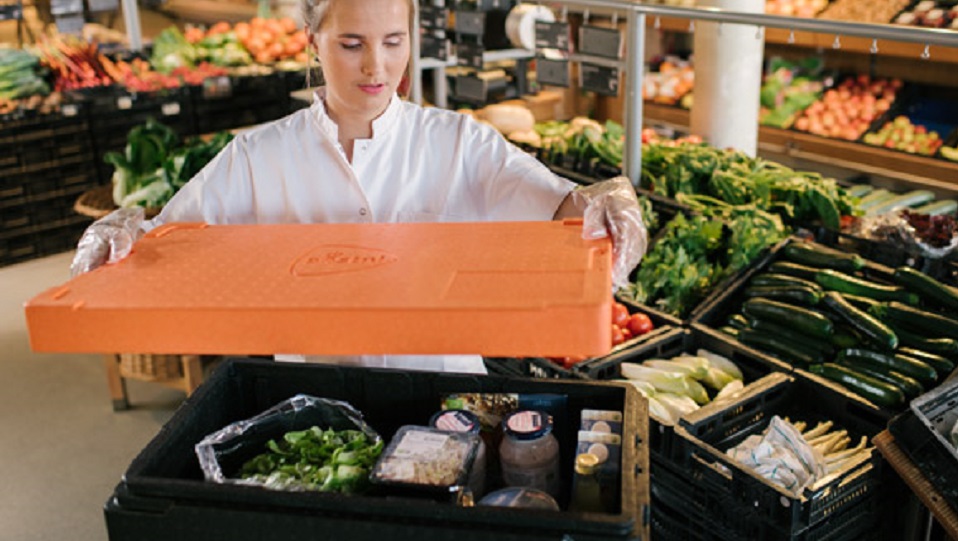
(612, 208)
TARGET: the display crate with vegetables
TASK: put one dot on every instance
(929, 13)
(788, 88)
(918, 122)
(678, 373)
(927, 433)
(774, 494)
(164, 494)
(849, 108)
(882, 333)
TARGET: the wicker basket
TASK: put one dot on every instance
(98, 202)
(149, 367)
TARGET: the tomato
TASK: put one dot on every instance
(617, 337)
(639, 324)
(620, 314)
(626, 333)
(569, 362)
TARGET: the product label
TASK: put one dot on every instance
(552, 35)
(601, 421)
(416, 444)
(454, 421)
(525, 422)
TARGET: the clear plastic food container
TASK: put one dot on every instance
(425, 459)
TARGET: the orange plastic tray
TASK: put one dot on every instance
(492, 288)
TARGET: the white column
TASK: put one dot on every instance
(728, 78)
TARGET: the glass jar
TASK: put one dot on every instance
(467, 422)
(586, 493)
(529, 452)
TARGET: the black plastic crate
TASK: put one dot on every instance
(662, 442)
(922, 432)
(18, 248)
(712, 431)
(163, 494)
(240, 115)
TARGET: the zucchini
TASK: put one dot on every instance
(908, 386)
(794, 269)
(801, 319)
(737, 321)
(938, 208)
(860, 190)
(729, 330)
(939, 346)
(816, 255)
(879, 392)
(874, 198)
(899, 363)
(791, 294)
(801, 341)
(843, 283)
(845, 336)
(774, 279)
(942, 366)
(781, 347)
(862, 303)
(930, 290)
(861, 320)
(912, 317)
(910, 199)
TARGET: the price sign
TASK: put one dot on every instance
(66, 7)
(124, 102)
(170, 109)
(469, 55)
(598, 41)
(552, 72)
(69, 110)
(472, 23)
(102, 5)
(217, 87)
(471, 88)
(433, 18)
(599, 79)
(432, 47)
(72, 24)
(552, 35)
(11, 12)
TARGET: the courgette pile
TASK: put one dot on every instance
(886, 335)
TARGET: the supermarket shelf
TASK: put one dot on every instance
(813, 40)
(931, 172)
(918, 483)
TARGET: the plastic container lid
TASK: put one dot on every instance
(527, 424)
(476, 288)
(456, 421)
(520, 497)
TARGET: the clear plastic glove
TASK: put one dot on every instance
(612, 208)
(108, 239)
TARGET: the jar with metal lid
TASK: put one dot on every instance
(529, 452)
(468, 422)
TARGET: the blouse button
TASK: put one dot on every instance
(362, 212)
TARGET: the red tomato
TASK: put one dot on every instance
(620, 314)
(626, 333)
(639, 324)
(617, 337)
(569, 362)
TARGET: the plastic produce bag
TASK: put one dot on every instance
(894, 228)
(781, 455)
(223, 452)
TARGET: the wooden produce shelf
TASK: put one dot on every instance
(925, 170)
(813, 40)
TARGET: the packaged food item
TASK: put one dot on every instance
(425, 460)
(466, 422)
(601, 421)
(607, 447)
(520, 498)
(586, 491)
(529, 452)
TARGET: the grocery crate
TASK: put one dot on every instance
(923, 433)
(238, 101)
(713, 430)
(924, 105)
(662, 443)
(163, 494)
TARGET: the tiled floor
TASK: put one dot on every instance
(62, 447)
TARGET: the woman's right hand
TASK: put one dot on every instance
(108, 239)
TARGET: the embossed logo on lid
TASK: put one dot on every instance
(336, 258)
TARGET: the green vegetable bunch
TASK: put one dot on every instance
(583, 139)
(717, 177)
(155, 165)
(316, 459)
(19, 76)
(788, 90)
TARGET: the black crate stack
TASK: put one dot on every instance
(46, 162)
(239, 101)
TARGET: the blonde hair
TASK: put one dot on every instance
(314, 14)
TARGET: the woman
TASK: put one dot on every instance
(360, 154)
